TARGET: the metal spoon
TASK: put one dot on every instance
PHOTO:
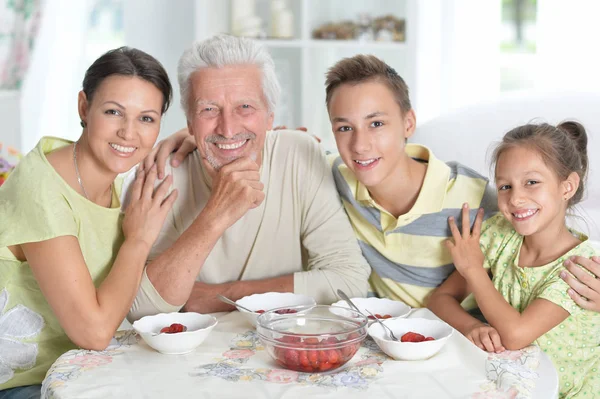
(384, 326)
(345, 297)
(230, 302)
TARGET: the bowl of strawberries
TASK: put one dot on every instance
(261, 303)
(175, 333)
(312, 339)
(419, 339)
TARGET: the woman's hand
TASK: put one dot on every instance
(585, 287)
(485, 338)
(301, 128)
(180, 142)
(464, 247)
(148, 208)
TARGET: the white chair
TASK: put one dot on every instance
(467, 135)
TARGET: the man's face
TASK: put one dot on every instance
(370, 131)
(228, 114)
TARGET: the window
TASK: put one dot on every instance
(518, 44)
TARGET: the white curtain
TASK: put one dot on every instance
(19, 21)
(49, 91)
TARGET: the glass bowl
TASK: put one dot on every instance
(314, 338)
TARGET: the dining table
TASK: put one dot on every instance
(233, 363)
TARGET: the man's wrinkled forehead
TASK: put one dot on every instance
(234, 83)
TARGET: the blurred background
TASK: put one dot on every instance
(475, 68)
(452, 53)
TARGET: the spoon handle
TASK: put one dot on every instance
(345, 297)
(230, 302)
(383, 325)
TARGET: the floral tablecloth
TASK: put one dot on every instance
(232, 363)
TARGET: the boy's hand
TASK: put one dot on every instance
(464, 246)
(485, 338)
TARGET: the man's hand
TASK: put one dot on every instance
(485, 338)
(180, 142)
(585, 287)
(465, 249)
(203, 299)
(236, 189)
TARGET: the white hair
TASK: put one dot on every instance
(225, 50)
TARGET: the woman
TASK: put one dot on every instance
(70, 261)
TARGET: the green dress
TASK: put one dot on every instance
(573, 345)
(36, 204)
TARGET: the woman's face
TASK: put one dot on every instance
(122, 121)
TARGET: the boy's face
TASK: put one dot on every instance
(370, 130)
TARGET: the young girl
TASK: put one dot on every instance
(70, 263)
(540, 172)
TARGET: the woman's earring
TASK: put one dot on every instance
(82, 123)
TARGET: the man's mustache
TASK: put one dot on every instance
(217, 138)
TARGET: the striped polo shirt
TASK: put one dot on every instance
(406, 254)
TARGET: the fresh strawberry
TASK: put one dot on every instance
(333, 356)
(173, 328)
(325, 366)
(286, 311)
(261, 311)
(303, 358)
(313, 358)
(412, 337)
(429, 339)
(311, 341)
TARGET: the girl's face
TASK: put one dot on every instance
(370, 130)
(530, 195)
(122, 121)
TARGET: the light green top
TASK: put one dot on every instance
(573, 345)
(36, 204)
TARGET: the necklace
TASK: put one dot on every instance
(79, 177)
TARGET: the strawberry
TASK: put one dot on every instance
(303, 358)
(261, 311)
(412, 337)
(292, 358)
(333, 356)
(323, 356)
(325, 366)
(311, 341)
(173, 328)
(330, 340)
(386, 316)
(313, 358)
(429, 339)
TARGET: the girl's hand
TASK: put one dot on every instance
(147, 208)
(464, 247)
(485, 338)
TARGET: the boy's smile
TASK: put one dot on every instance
(370, 130)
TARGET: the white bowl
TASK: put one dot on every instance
(439, 330)
(381, 306)
(198, 327)
(269, 301)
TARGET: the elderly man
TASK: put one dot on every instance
(256, 211)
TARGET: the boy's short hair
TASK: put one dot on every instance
(361, 68)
